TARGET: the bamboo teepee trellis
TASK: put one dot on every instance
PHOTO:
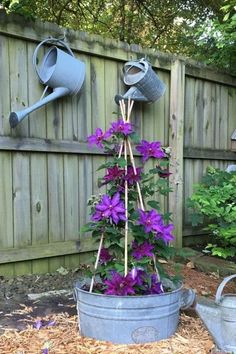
(126, 148)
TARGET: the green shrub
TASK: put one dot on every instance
(214, 204)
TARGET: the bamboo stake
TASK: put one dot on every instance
(155, 267)
(135, 172)
(130, 107)
(126, 210)
(122, 108)
(121, 147)
(96, 263)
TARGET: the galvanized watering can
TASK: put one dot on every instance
(220, 317)
(60, 71)
(145, 84)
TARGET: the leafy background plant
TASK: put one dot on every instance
(213, 203)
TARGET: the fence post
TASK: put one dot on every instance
(176, 141)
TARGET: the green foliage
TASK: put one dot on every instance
(215, 40)
(214, 203)
(204, 30)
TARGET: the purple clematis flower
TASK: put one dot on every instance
(98, 137)
(105, 256)
(120, 285)
(45, 351)
(156, 286)
(164, 233)
(150, 220)
(153, 149)
(131, 177)
(113, 173)
(110, 207)
(143, 250)
(121, 127)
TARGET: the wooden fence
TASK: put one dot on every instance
(47, 170)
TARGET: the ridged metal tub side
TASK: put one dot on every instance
(128, 319)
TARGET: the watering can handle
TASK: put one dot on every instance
(141, 64)
(221, 287)
(53, 40)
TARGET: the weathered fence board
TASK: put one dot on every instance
(47, 170)
(176, 139)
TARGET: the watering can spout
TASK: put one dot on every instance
(60, 71)
(210, 315)
(16, 117)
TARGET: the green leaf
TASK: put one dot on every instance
(135, 138)
(87, 227)
(154, 204)
(121, 162)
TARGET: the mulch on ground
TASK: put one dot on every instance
(64, 338)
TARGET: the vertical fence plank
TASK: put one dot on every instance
(55, 198)
(71, 197)
(110, 90)
(84, 103)
(224, 118)
(4, 83)
(39, 207)
(21, 206)
(98, 112)
(21, 182)
(198, 114)
(56, 205)
(217, 117)
(231, 110)
(177, 88)
(18, 82)
(208, 116)
(6, 214)
(189, 122)
(37, 119)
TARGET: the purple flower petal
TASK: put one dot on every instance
(116, 199)
(121, 127)
(120, 285)
(110, 207)
(98, 137)
(142, 250)
(105, 256)
(152, 149)
(38, 324)
(150, 220)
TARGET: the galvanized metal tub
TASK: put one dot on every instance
(128, 319)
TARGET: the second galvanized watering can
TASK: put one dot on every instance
(220, 317)
(60, 71)
(145, 85)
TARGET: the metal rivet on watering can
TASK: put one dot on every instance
(145, 85)
(60, 71)
(220, 317)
